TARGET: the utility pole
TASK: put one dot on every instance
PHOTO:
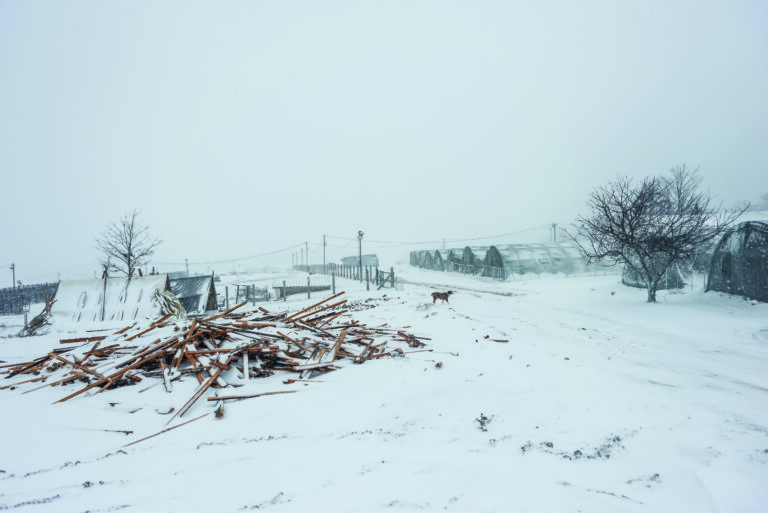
(306, 250)
(554, 232)
(13, 270)
(360, 251)
(186, 261)
(104, 292)
(324, 244)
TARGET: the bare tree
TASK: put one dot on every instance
(126, 245)
(651, 225)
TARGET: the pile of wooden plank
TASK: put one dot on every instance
(217, 351)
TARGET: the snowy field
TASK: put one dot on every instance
(598, 402)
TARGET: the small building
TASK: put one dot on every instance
(197, 294)
(370, 260)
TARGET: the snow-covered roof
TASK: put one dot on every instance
(112, 299)
(524, 258)
(196, 294)
(370, 260)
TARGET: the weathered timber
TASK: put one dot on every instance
(184, 409)
(76, 366)
(225, 313)
(307, 341)
(166, 430)
(82, 339)
(287, 319)
(22, 382)
(307, 314)
(313, 366)
(248, 396)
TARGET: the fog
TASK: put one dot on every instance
(240, 129)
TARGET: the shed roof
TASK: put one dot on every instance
(114, 299)
(197, 294)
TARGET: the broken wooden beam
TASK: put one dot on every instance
(166, 430)
(287, 319)
(81, 339)
(224, 313)
(248, 396)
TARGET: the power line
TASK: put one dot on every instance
(229, 260)
(440, 241)
(58, 271)
(518, 232)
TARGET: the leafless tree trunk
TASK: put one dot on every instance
(652, 225)
(126, 244)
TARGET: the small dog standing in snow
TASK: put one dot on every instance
(441, 295)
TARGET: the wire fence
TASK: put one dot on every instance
(16, 300)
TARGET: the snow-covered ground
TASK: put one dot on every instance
(599, 401)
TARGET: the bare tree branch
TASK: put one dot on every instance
(126, 245)
(652, 225)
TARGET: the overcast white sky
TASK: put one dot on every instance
(241, 127)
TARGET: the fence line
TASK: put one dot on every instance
(370, 274)
(16, 300)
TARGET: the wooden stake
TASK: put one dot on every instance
(307, 314)
(184, 409)
(313, 306)
(249, 396)
(166, 430)
(82, 339)
(222, 314)
(22, 382)
(76, 366)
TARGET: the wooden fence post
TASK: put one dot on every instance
(333, 283)
(308, 287)
(392, 276)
